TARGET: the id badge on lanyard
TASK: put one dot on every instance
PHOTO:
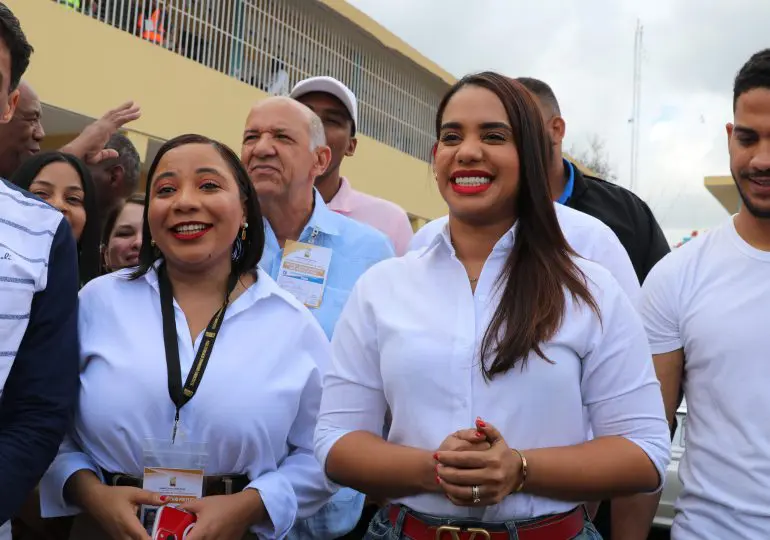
(305, 269)
(175, 467)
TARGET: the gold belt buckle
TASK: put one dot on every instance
(454, 533)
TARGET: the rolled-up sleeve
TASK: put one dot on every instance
(619, 386)
(299, 488)
(70, 460)
(353, 398)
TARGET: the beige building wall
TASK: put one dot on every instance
(84, 66)
(723, 189)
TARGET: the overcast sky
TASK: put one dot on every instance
(585, 50)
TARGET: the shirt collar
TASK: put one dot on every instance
(580, 186)
(322, 218)
(258, 291)
(343, 199)
(569, 186)
(505, 243)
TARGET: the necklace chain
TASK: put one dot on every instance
(471, 279)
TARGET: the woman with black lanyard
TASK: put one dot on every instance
(200, 376)
(493, 348)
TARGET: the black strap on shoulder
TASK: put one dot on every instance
(179, 394)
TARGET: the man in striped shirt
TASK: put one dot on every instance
(38, 314)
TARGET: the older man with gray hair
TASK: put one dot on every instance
(311, 251)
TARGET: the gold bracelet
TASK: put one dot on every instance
(523, 470)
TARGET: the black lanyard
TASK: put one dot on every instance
(181, 395)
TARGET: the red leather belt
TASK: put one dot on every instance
(558, 527)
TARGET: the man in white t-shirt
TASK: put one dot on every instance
(589, 237)
(706, 307)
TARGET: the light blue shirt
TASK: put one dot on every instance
(569, 187)
(355, 248)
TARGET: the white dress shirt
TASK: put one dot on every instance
(589, 238)
(409, 337)
(256, 406)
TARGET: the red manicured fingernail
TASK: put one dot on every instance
(479, 434)
(163, 498)
(437, 466)
(480, 422)
(438, 480)
(435, 456)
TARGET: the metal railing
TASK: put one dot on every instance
(272, 44)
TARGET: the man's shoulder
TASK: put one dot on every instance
(613, 192)
(351, 230)
(28, 229)
(367, 201)
(696, 256)
(570, 218)
(24, 208)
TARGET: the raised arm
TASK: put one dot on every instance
(89, 145)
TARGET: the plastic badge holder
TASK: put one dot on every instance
(171, 523)
(181, 454)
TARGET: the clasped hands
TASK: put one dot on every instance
(477, 458)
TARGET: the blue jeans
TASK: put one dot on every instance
(336, 518)
(382, 529)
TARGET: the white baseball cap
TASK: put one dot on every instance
(329, 85)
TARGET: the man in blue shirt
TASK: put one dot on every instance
(284, 150)
(38, 314)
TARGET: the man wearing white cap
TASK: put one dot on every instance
(337, 107)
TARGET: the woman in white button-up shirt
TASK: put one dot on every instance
(257, 401)
(492, 347)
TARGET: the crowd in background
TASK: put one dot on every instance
(327, 373)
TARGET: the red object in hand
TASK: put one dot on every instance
(171, 523)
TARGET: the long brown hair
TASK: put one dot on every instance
(540, 266)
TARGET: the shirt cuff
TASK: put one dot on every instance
(663, 347)
(324, 444)
(280, 503)
(52, 501)
(659, 453)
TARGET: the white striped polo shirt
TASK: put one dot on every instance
(27, 229)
